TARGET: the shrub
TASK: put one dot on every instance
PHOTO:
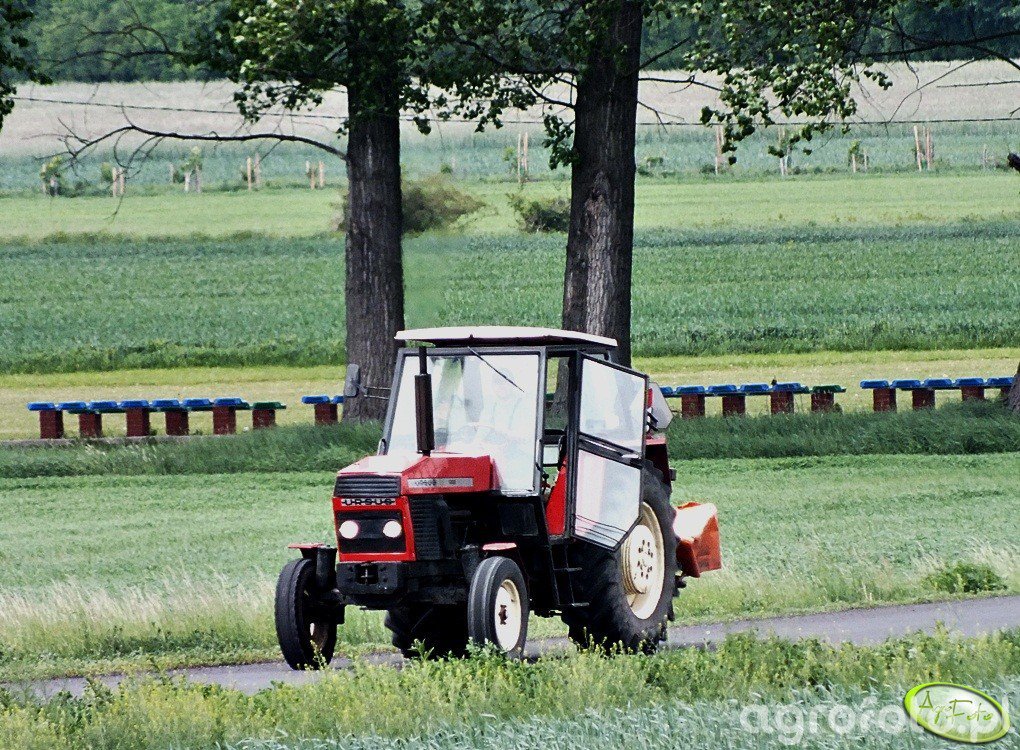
(966, 578)
(542, 215)
(432, 203)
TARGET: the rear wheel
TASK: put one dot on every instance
(630, 591)
(498, 606)
(431, 631)
(307, 633)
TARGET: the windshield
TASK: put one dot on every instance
(481, 406)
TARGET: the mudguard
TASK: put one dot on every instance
(697, 535)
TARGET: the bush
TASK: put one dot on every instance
(432, 203)
(966, 578)
(542, 215)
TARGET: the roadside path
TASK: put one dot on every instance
(860, 626)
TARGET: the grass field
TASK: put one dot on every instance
(694, 202)
(82, 305)
(628, 702)
(178, 569)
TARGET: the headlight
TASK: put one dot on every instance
(392, 529)
(349, 529)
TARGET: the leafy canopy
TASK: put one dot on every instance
(14, 62)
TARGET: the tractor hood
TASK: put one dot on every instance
(422, 475)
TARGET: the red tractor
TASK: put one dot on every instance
(520, 471)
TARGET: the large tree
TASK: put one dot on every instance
(771, 59)
(289, 53)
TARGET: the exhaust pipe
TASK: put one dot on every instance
(426, 431)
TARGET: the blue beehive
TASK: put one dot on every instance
(866, 384)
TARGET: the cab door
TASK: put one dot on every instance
(608, 451)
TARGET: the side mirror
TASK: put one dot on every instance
(352, 382)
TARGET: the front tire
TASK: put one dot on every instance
(307, 634)
(498, 606)
(630, 591)
(428, 631)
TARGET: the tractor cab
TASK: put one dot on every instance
(520, 470)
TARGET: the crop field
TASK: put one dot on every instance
(78, 305)
(179, 569)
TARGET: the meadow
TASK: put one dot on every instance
(691, 202)
(175, 569)
(77, 304)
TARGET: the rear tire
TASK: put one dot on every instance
(307, 635)
(429, 631)
(630, 591)
(498, 606)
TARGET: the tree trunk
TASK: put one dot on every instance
(1014, 392)
(375, 275)
(600, 242)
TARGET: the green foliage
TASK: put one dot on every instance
(14, 59)
(965, 578)
(119, 40)
(434, 203)
(542, 214)
(430, 204)
(52, 175)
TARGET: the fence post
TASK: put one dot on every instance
(718, 148)
(247, 172)
(928, 147)
(917, 147)
(322, 175)
(258, 171)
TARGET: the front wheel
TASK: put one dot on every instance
(498, 606)
(307, 633)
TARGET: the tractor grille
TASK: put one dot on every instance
(366, 486)
(425, 522)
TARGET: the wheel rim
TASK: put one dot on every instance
(643, 564)
(318, 630)
(508, 615)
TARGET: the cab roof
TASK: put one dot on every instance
(503, 336)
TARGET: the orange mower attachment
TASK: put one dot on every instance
(697, 538)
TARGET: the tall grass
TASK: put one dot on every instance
(180, 569)
(970, 428)
(449, 696)
(270, 301)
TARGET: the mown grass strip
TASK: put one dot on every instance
(971, 428)
(426, 697)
